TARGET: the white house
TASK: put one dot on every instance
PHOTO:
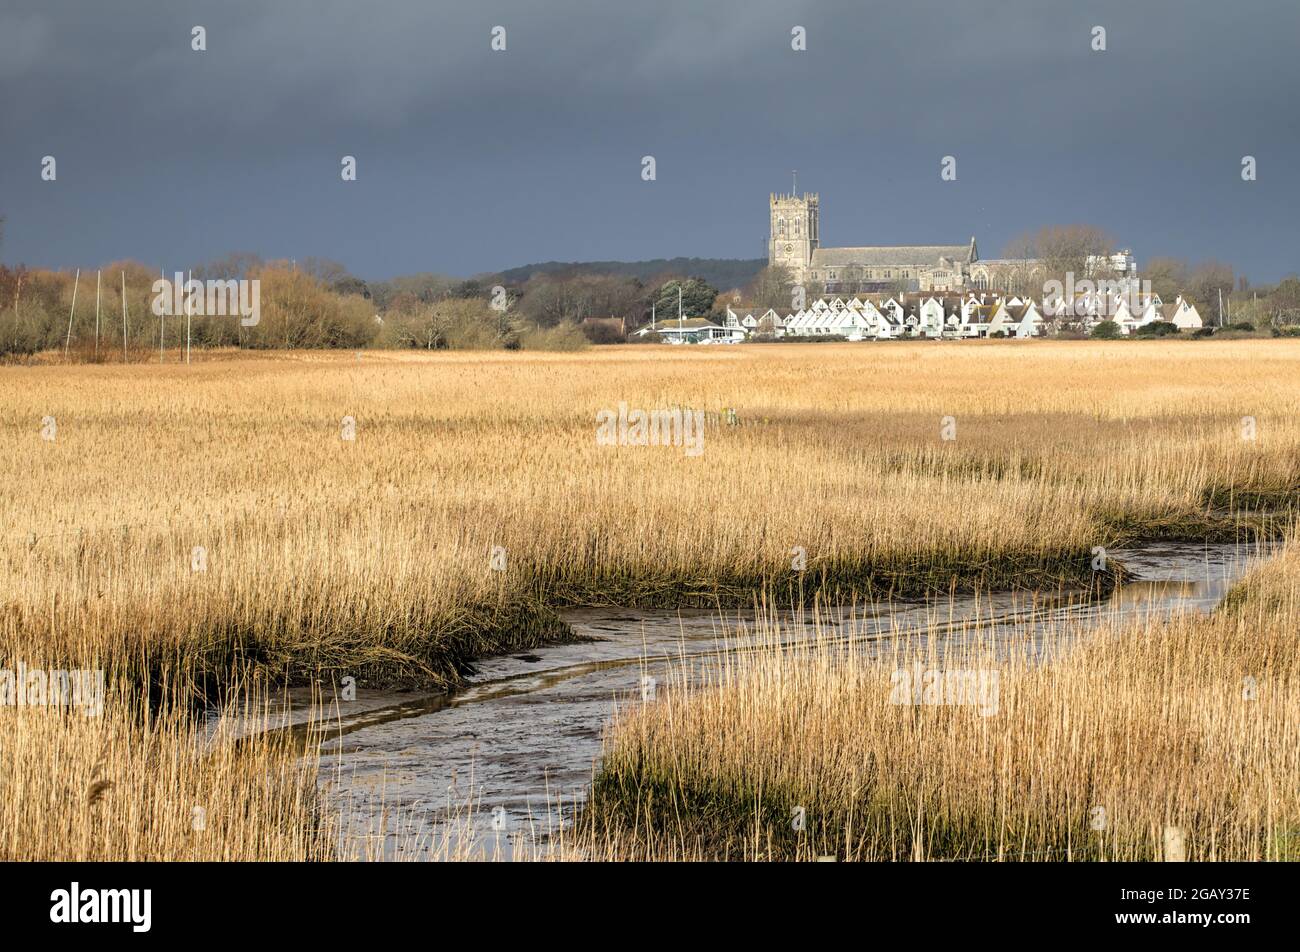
(1183, 315)
(835, 319)
(930, 318)
(1123, 316)
(751, 321)
(1029, 320)
(1001, 321)
(934, 316)
(1149, 313)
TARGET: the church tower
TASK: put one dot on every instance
(795, 232)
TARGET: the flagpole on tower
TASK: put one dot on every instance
(795, 173)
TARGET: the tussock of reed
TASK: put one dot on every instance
(1188, 723)
(139, 786)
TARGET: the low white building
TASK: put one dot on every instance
(694, 330)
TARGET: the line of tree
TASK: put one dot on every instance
(318, 303)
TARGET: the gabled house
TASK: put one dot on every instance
(1183, 315)
(1000, 320)
(890, 324)
(1028, 319)
(1123, 316)
(930, 315)
(770, 324)
(871, 313)
(1150, 313)
(979, 318)
(794, 324)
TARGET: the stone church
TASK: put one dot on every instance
(795, 244)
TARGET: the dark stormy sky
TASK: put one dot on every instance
(471, 160)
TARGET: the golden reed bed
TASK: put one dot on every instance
(1137, 734)
(474, 496)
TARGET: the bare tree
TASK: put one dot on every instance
(1168, 276)
(1052, 253)
(1063, 249)
(1207, 282)
(771, 287)
(234, 266)
(325, 270)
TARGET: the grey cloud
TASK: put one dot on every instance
(472, 160)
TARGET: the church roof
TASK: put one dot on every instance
(898, 256)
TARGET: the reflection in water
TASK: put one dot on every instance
(1143, 595)
(513, 754)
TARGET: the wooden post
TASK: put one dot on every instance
(124, 316)
(97, 278)
(188, 308)
(75, 281)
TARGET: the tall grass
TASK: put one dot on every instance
(1125, 733)
(373, 557)
(136, 784)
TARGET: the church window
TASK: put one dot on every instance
(780, 227)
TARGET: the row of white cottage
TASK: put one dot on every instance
(933, 316)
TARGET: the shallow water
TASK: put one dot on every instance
(512, 754)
